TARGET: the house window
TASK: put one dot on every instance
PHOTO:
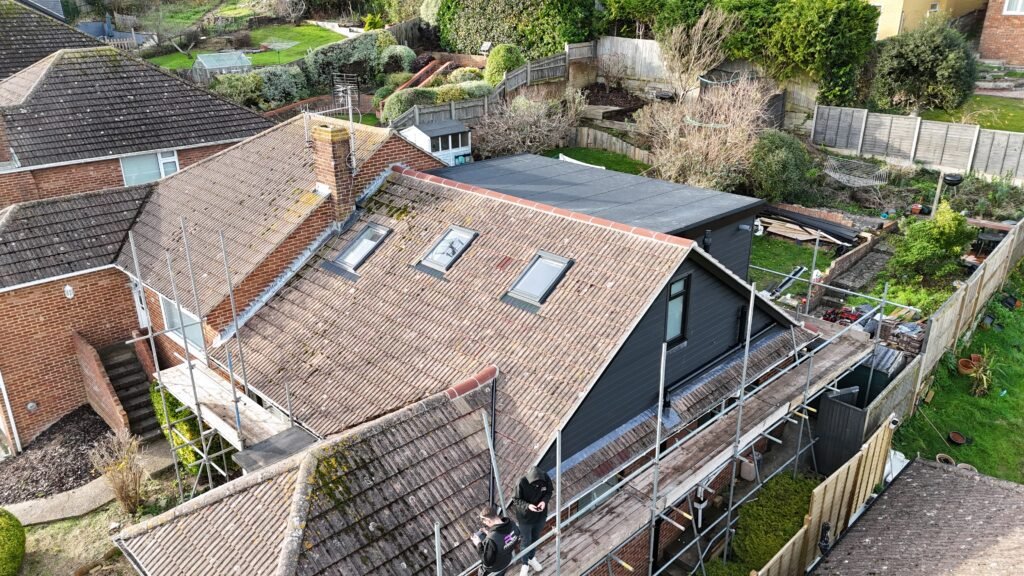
(143, 168)
(1014, 7)
(678, 302)
(449, 248)
(460, 140)
(544, 272)
(933, 8)
(186, 326)
(359, 250)
(445, 143)
(435, 143)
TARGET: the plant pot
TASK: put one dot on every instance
(966, 466)
(915, 208)
(945, 459)
(957, 438)
(977, 359)
(965, 367)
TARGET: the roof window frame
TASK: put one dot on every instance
(425, 260)
(370, 226)
(566, 263)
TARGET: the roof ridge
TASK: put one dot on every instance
(45, 68)
(595, 220)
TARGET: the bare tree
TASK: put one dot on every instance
(118, 456)
(290, 10)
(525, 125)
(706, 141)
(690, 52)
(613, 68)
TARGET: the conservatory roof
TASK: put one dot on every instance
(222, 60)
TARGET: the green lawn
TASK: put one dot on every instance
(307, 36)
(610, 160)
(368, 119)
(996, 421)
(783, 255)
(994, 112)
(185, 12)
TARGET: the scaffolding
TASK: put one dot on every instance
(657, 504)
(198, 385)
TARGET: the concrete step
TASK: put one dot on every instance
(140, 412)
(116, 353)
(130, 392)
(116, 371)
(129, 381)
(137, 401)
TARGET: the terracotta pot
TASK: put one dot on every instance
(915, 208)
(965, 366)
(957, 438)
(977, 359)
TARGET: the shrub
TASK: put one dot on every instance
(929, 251)
(449, 93)
(476, 89)
(282, 84)
(757, 17)
(995, 199)
(242, 89)
(502, 58)
(541, 27)
(715, 567)
(359, 55)
(930, 67)
(467, 74)
(396, 79)
(780, 167)
(12, 544)
(829, 40)
(401, 10)
(768, 522)
(428, 11)
(403, 100)
(435, 81)
(396, 58)
(381, 94)
(241, 39)
(118, 456)
(373, 22)
(188, 429)
(421, 62)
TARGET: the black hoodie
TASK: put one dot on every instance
(533, 488)
(499, 546)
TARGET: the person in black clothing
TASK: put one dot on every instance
(530, 503)
(496, 542)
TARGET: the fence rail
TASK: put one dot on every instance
(835, 501)
(906, 139)
(592, 138)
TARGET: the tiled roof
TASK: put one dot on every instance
(27, 36)
(257, 192)
(935, 519)
(359, 503)
(351, 351)
(98, 102)
(51, 7)
(47, 238)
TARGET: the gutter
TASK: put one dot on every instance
(116, 156)
(10, 414)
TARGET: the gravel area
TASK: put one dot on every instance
(57, 460)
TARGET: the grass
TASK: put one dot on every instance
(993, 112)
(610, 160)
(996, 421)
(783, 255)
(308, 36)
(185, 12)
(368, 119)
(236, 9)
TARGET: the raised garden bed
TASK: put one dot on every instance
(56, 461)
(598, 96)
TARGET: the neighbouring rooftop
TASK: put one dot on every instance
(46, 238)
(27, 36)
(442, 128)
(647, 203)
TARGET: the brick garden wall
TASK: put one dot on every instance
(85, 177)
(1001, 39)
(98, 389)
(37, 358)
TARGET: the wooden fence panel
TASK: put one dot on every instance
(944, 144)
(641, 57)
(889, 136)
(581, 51)
(999, 153)
(942, 330)
(591, 138)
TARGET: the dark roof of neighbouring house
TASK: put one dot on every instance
(49, 7)
(351, 351)
(46, 238)
(442, 128)
(257, 192)
(84, 103)
(935, 519)
(27, 36)
(361, 502)
(635, 200)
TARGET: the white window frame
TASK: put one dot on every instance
(371, 227)
(1017, 11)
(178, 334)
(565, 263)
(162, 157)
(471, 234)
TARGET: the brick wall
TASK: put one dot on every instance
(394, 150)
(1001, 39)
(98, 389)
(37, 358)
(74, 178)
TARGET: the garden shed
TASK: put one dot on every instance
(449, 140)
(207, 66)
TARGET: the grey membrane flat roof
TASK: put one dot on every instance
(634, 200)
(442, 128)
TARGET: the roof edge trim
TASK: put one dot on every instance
(481, 378)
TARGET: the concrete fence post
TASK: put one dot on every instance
(814, 122)
(863, 130)
(917, 138)
(974, 147)
(527, 72)
(416, 113)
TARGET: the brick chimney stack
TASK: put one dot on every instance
(331, 150)
(5, 146)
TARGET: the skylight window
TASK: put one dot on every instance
(359, 250)
(449, 248)
(540, 278)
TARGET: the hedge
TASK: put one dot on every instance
(189, 428)
(467, 74)
(360, 55)
(540, 27)
(12, 544)
(503, 58)
(403, 100)
(767, 523)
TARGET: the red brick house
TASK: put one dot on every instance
(1003, 35)
(275, 203)
(87, 119)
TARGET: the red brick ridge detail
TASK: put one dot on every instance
(636, 231)
(481, 378)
